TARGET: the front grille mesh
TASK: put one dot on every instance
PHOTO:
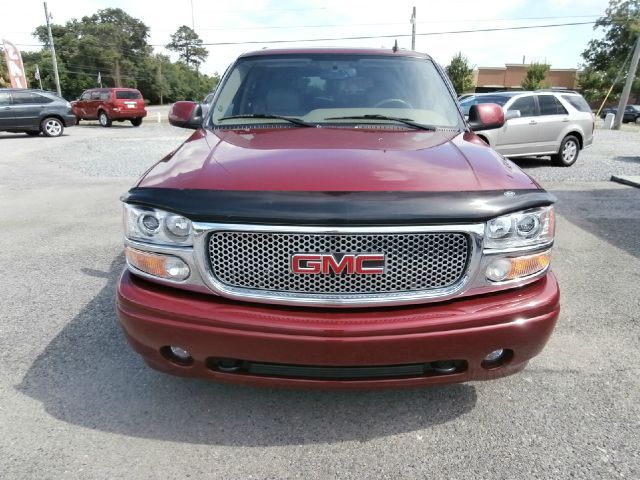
(262, 261)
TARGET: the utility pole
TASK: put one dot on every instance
(160, 79)
(631, 75)
(413, 29)
(53, 52)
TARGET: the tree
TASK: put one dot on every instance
(605, 58)
(189, 47)
(115, 44)
(535, 77)
(460, 73)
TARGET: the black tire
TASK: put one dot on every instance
(568, 153)
(51, 127)
(33, 133)
(104, 119)
(136, 122)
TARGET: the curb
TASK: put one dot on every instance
(632, 180)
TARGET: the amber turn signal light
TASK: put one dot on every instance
(156, 264)
(503, 269)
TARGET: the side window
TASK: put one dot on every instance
(5, 98)
(550, 105)
(526, 105)
(104, 95)
(25, 98)
(85, 96)
(95, 95)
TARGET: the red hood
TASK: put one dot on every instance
(332, 159)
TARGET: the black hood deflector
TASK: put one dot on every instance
(338, 208)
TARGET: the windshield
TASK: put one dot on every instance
(468, 102)
(321, 88)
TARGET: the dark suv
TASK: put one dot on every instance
(108, 104)
(34, 112)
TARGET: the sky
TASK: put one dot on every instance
(262, 21)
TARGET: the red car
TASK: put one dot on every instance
(109, 104)
(334, 221)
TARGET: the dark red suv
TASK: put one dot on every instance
(109, 104)
(334, 221)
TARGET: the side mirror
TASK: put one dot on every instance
(486, 116)
(512, 114)
(186, 115)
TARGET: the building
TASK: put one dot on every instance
(510, 77)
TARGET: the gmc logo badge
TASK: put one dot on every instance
(326, 263)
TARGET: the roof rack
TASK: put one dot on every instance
(558, 90)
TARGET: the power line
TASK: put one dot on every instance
(368, 37)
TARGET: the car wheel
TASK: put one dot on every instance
(104, 119)
(568, 153)
(51, 127)
(33, 133)
(136, 122)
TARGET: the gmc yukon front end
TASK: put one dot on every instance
(334, 221)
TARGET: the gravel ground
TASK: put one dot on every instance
(76, 402)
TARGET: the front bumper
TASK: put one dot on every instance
(209, 327)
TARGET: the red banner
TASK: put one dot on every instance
(14, 65)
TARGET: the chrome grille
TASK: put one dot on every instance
(415, 262)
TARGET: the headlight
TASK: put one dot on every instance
(528, 228)
(156, 226)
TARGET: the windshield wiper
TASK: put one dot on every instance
(294, 120)
(406, 121)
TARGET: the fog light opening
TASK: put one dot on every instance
(497, 358)
(177, 355)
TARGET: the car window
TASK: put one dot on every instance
(469, 101)
(104, 95)
(85, 96)
(27, 98)
(5, 98)
(323, 87)
(577, 102)
(128, 95)
(95, 95)
(526, 105)
(550, 105)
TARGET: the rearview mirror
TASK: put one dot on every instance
(186, 115)
(485, 116)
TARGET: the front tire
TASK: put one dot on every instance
(136, 122)
(52, 127)
(104, 119)
(568, 153)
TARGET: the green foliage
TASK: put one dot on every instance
(604, 58)
(189, 47)
(114, 44)
(460, 73)
(535, 77)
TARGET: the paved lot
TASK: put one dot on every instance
(76, 402)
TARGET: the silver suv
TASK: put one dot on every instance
(555, 123)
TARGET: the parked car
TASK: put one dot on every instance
(109, 104)
(34, 111)
(631, 113)
(555, 123)
(335, 222)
